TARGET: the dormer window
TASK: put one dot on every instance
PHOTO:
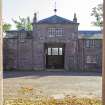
(52, 32)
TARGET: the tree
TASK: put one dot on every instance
(6, 27)
(23, 23)
(97, 12)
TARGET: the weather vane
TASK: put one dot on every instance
(55, 10)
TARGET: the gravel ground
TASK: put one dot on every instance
(1, 87)
(57, 84)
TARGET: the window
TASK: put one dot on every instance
(52, 32)
(60, 51)
(21, 37)
(89, 43)
(55, 51)
(49, 51)
(98, 43)
(91, 59)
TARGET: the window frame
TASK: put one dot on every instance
(93, 59)
(52, 51)
(55, 31)
(91, 43)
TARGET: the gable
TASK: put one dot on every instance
(56, 20)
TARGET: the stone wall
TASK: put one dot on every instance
(38, 56)
(70, 56)
(83, 52)
(24, 52)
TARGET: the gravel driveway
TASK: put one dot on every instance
(53, 83)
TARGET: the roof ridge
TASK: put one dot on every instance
(55, 19)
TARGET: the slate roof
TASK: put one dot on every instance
(15, 33)
(82, 34)
(56, 20)
(90, 35)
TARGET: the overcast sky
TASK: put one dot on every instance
(44, 8)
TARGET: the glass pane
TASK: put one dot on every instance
(60, 51)
(49, 51)
(54, 51)
(88, 59)
(87, 43)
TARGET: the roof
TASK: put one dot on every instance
(82, 34)
(56, 20)
(90, 35)
(20, 30)
(15, 33)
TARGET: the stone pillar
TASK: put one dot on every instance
(1, 63)
(103, 66)
(38, 56)
(70, 56)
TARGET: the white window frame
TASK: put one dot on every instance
(22, 37)
(52, 32)
(90, 43)
(91, 59)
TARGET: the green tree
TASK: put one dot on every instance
(23, 23)
(6, 27)
(97, 12)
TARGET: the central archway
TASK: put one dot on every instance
(54, 56)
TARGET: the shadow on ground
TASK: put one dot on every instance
(15, 74)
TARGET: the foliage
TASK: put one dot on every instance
(97, 12)
(52, 101)
(23, 23)
(44, 100)
(6, 27)
(25, 90)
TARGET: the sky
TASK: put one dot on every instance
(12, 9)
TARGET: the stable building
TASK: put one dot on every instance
(54, 44)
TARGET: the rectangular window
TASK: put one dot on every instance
(60, 51)
(89, 43)
(22, 37)
(54, 51)
(91, 59)
(98, 43)
(52, 32)
(49, 51)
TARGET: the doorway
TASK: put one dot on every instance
(54, 57)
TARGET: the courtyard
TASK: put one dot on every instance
(57, 84)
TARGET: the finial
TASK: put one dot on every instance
(35, 17)
(75, 18)
(55, 10)
(35, 14)
(74, 15)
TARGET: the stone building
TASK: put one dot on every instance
(54, 44)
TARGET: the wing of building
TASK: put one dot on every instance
(54, 43)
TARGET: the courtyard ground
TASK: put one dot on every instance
(1, 93)
(57, 84)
